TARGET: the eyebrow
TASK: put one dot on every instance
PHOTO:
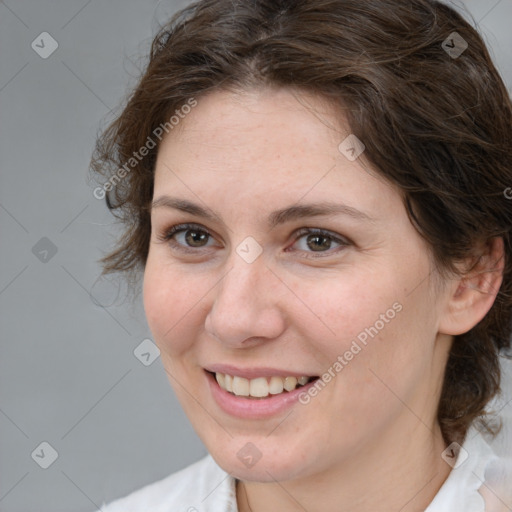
(275, 218)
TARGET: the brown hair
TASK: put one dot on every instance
(436, 124)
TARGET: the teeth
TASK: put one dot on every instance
(260, 387)
(276, 385)
(221, 379)
(240, 386)
(228, 383)
(290, 383)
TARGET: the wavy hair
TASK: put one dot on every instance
(435, 122)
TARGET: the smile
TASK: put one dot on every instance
(259, 387)
(257, 392)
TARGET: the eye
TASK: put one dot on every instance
(186, 237)
(192, 237)
(319, 241)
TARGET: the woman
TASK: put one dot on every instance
(314, 192)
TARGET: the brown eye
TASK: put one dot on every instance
(320, 242)
(186, 237)
(195, 238)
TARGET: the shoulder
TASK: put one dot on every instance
(200, 487)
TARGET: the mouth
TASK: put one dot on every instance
(262, 387)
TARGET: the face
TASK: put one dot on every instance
(278, 261)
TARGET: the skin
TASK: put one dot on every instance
(370, 439)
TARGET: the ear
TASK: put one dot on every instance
(472, 295)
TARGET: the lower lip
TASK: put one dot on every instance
(254, 408)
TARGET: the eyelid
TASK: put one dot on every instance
(167, 234)
(335, 237)
(320, 231)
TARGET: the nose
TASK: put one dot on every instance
(245, 309)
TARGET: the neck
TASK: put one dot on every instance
(401, 471)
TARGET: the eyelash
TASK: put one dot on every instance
(168, 234)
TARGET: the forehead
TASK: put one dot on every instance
(268, 143)
(279, 118)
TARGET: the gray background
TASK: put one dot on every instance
(68, 374)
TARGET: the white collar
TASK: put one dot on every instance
(459, 492)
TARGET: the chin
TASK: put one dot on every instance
(256, 459)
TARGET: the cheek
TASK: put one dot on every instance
(171, 303)
(379, 336)
(349, 308)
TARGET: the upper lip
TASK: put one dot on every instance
(254, 371)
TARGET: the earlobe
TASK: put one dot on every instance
(474, 293)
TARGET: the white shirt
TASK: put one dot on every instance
(205, 487)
